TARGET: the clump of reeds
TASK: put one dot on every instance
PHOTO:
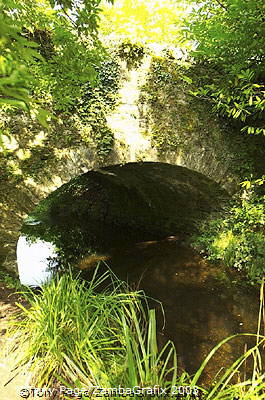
(76, 334)
(95, 337)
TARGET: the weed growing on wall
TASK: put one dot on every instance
(160, 93)
(96, 101)
(132, 53)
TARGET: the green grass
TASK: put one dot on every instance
(79, 336)
(94, 337)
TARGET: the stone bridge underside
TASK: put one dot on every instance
(121, 204)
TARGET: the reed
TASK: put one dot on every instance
(95, 337)
(75, 334)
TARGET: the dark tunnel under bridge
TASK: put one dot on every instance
(111, 206)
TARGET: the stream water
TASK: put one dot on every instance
(202, 303)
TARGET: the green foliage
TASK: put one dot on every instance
(132, 53)
(239, 239)
(98, 338)
(45, 56)
(84, 14)
(162, 73)
(57, 82)
(72, 57)
(104, 90)
(66, 74)
(97, 101)
(239, 98)
(229, 33)
(230, 37)
(16, 51)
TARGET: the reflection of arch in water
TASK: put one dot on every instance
(122, 204)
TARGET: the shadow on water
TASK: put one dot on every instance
(202, 304)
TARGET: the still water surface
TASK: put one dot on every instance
(202, 304)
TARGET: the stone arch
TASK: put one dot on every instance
(122, 204)
(207, 150)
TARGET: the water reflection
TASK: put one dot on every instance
(202, 305)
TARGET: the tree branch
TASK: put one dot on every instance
(68, 16)
(222, 5)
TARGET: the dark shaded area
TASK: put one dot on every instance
(203, 303)
(107, 208)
